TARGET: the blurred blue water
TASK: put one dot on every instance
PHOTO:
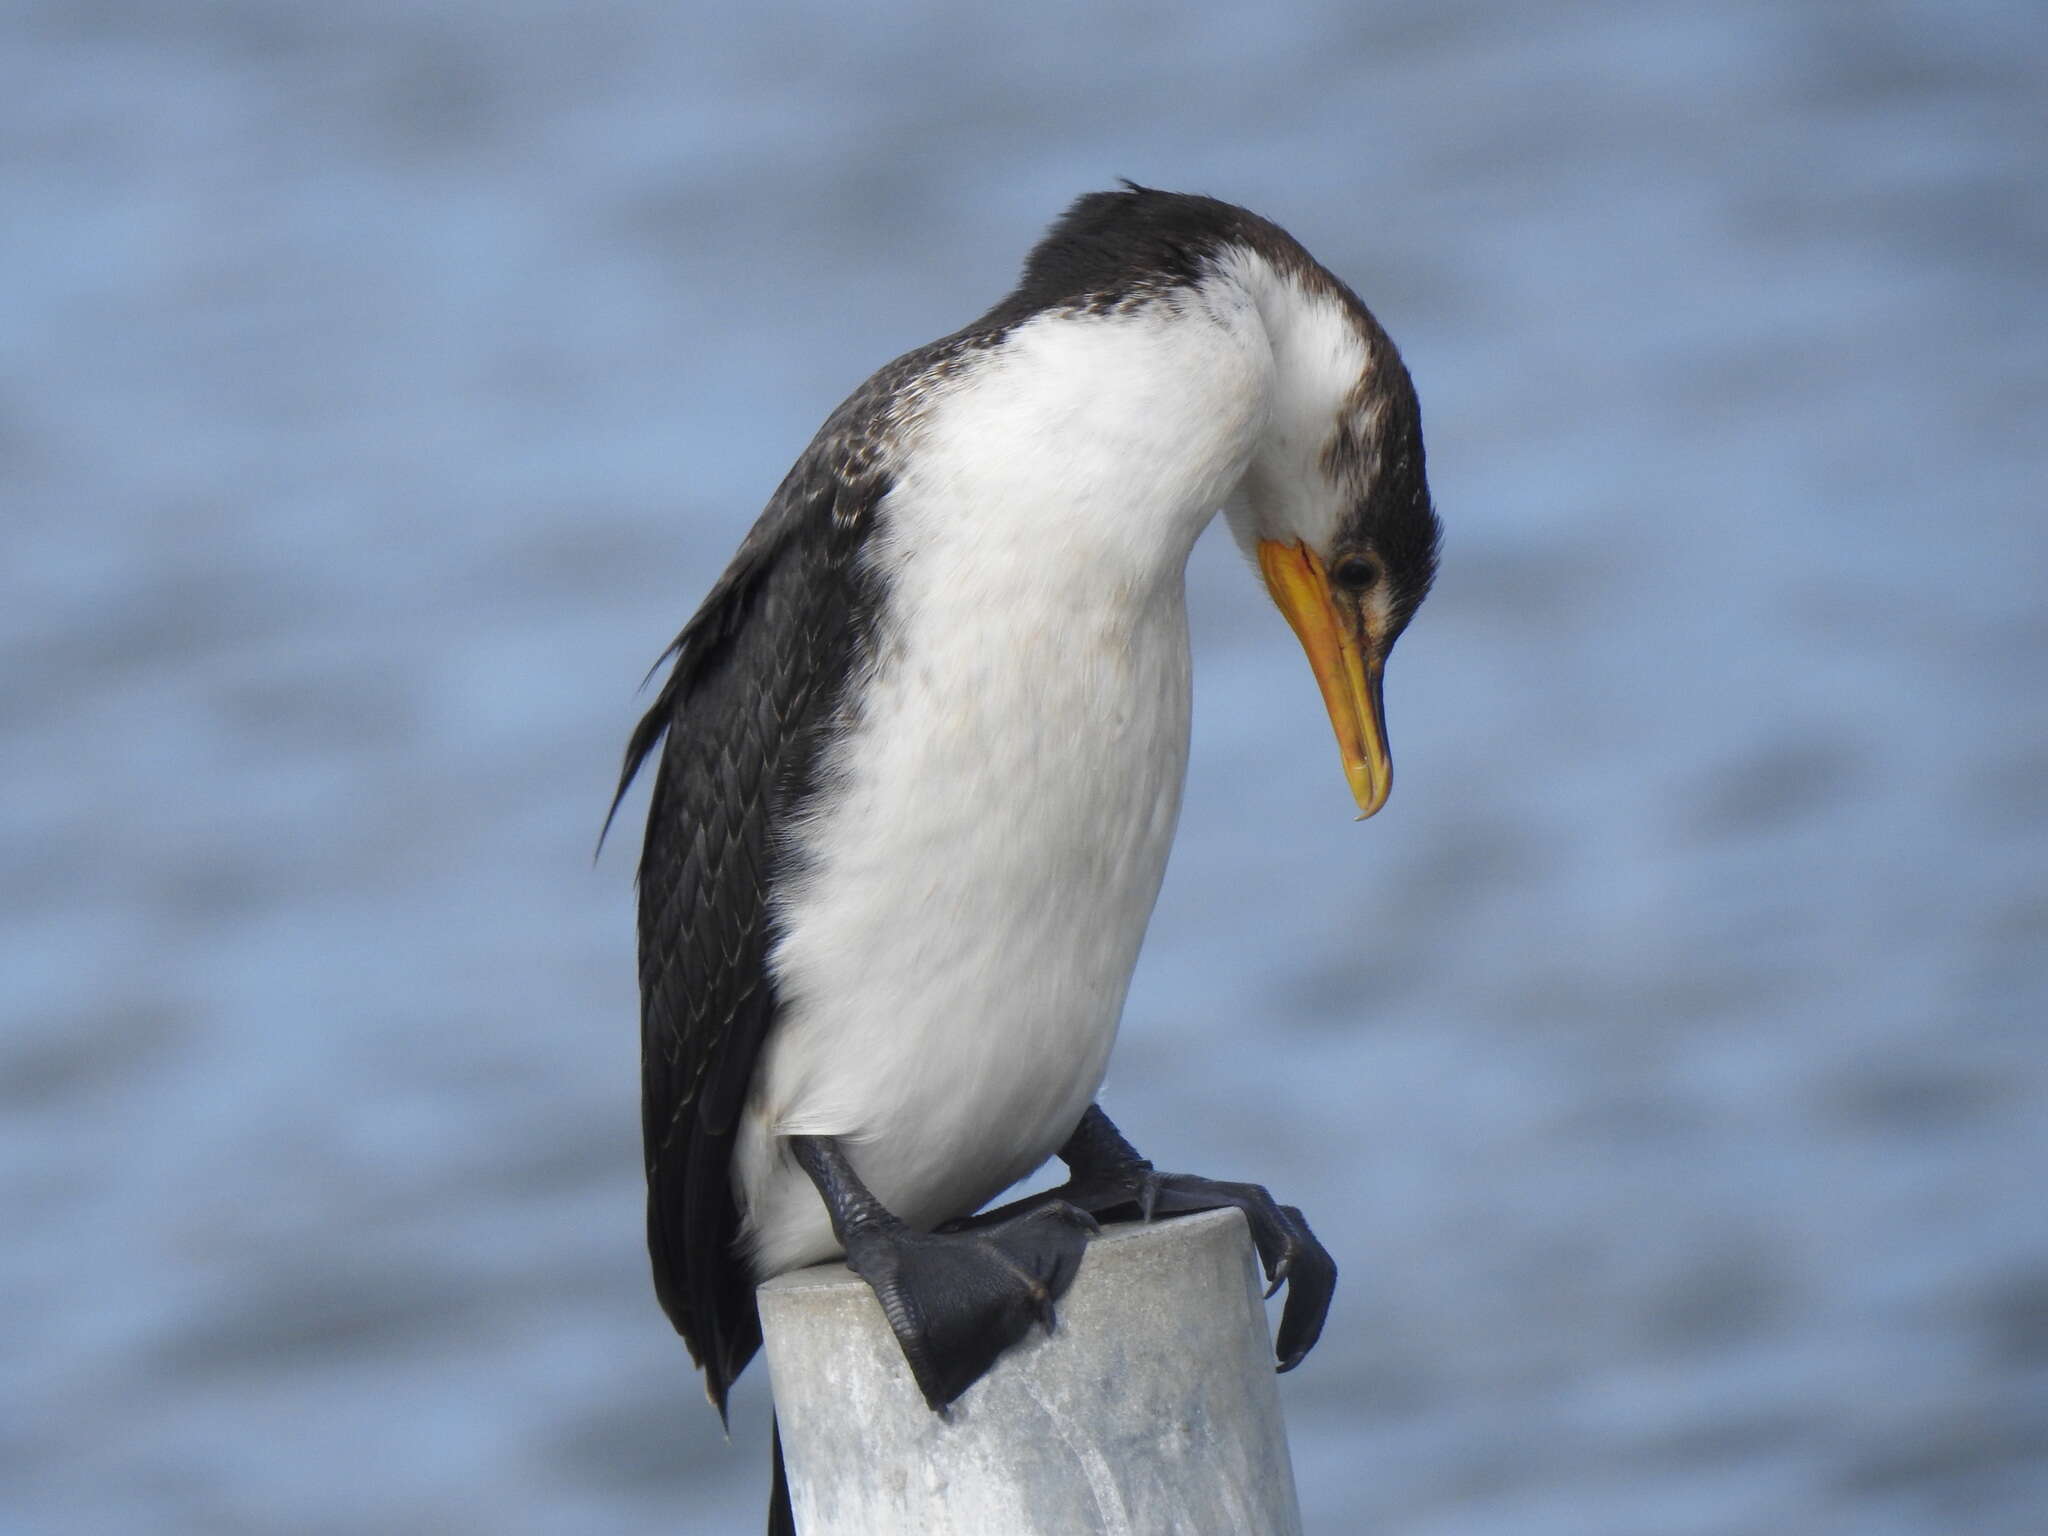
(383, 385)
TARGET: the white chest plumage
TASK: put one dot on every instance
(978, 874)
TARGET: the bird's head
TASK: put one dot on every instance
(1334, 509)
(1333, 506)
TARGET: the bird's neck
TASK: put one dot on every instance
(1323, 364)
(1085, 453)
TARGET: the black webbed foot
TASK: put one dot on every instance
(957, 1300)
(1110, 1180)
(1288, 1250)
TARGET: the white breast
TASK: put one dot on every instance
(978, 879)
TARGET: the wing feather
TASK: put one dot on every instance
(759, 675)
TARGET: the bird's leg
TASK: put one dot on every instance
(1107, 1178)
(956, 1300)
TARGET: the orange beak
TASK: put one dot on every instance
(1347, 666)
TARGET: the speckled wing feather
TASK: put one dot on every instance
(758, 681)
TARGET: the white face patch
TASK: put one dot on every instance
(1321, 367)
(1379, 614)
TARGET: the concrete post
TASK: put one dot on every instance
(1152, 1412)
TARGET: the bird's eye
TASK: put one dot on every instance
(1356, 572)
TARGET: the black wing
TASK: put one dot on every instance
(759, 678)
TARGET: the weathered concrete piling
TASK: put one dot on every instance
(1154, 1411)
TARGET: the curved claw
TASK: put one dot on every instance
(1311, 1283)
(1288, 1251)
(1279, 1272)
(1148, 1194)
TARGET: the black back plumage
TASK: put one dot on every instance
(759, 679)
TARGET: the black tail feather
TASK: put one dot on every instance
(781, 1518)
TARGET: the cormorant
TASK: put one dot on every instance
(924, 746)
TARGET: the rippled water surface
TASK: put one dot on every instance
(383, 384)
